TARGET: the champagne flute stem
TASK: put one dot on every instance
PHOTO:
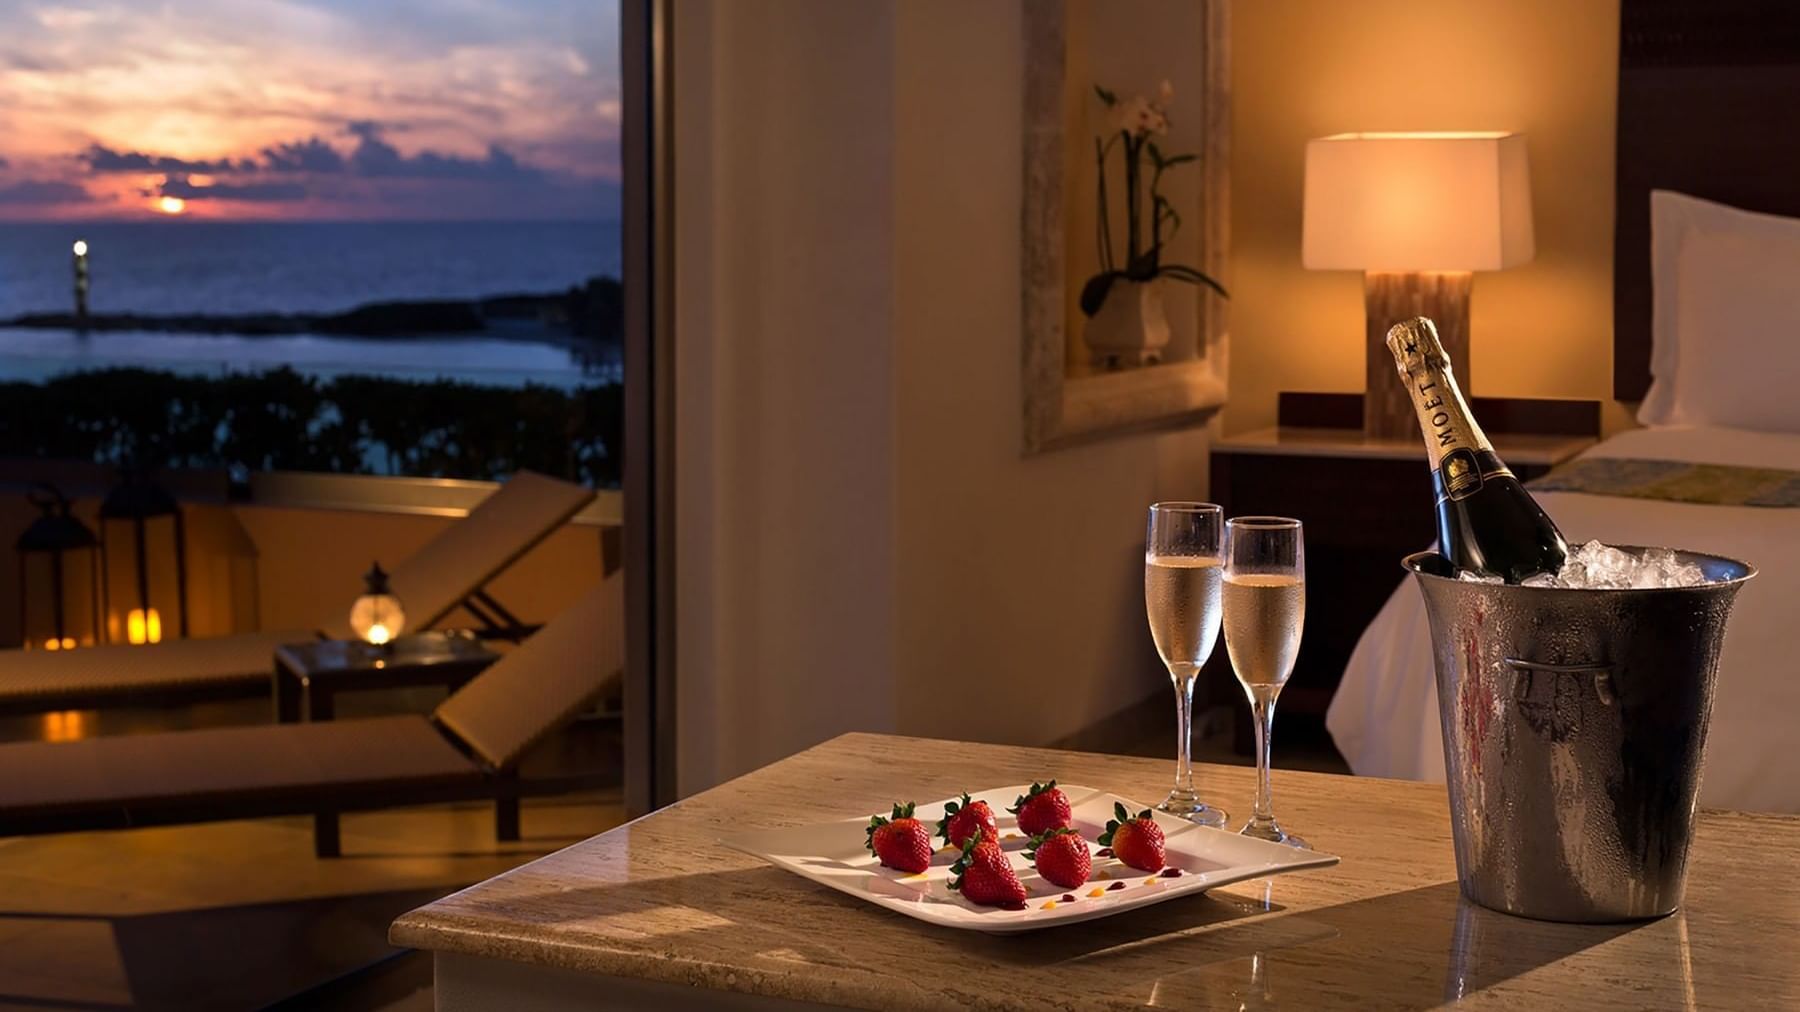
(1184, 728)
(1262, 705)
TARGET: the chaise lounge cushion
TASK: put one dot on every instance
(431, 582)
(90, 676)
(131, 779)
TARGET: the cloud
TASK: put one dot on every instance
(375, 157)
(43, 191)
(101, 158)
(310, 155)
(4, 163)
(179, 186)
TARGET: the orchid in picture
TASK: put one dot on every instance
(1133, 124)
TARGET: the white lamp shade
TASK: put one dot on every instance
(1417, 202)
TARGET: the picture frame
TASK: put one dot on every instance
(1066, 400)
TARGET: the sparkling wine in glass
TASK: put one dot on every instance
(1265, 613)
(1182, 573)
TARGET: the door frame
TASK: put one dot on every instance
(645, 46)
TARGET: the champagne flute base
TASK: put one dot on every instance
(1270, 830)
(1186, 805)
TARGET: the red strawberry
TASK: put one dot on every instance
(1137, 841)
(1062, 857)
(901, 842)
(1043, 809)
(969, 818)
(983, 875)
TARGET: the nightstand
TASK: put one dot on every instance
(1366, 504)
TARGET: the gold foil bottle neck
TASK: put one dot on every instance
(1415, 345)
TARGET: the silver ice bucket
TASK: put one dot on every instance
(1574, 731)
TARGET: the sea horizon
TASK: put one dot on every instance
(176, 268)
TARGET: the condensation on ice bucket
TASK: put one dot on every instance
(1574, 732)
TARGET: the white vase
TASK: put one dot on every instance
(1130, 329)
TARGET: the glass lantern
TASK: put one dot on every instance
(59, 594)
(377, 616)
(143, 563)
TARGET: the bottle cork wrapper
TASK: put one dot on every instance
(1444, 417)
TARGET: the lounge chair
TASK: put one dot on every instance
(448, 572)
(467, 748)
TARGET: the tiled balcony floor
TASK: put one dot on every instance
(240, 914)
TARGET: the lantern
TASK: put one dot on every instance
(143, 564)
(377, 617)
(59, 600)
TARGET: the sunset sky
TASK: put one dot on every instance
(309, 109)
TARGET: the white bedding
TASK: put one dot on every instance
(1384, 717)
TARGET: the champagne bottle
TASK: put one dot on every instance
(1487, 523)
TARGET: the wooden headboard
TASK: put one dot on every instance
(1709, 104)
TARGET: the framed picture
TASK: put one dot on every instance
(1126, 217)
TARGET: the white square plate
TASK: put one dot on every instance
(835, 854)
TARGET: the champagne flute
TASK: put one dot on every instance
(1182, 569)
(1265, 613)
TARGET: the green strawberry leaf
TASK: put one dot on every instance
(963, 860)
(1036, 789)
(1120, 817)
(950, 810)
(1038, 841)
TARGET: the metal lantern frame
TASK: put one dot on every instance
(134, 503)
(58, 536)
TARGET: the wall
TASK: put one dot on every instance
(1020, 579)
(1306, 68)
(860, 544)
(785, 532)
(308, 564)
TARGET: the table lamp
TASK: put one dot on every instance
(1417, 213)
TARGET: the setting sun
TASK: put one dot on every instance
(171, 205)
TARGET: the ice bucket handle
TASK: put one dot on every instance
(1522, 672)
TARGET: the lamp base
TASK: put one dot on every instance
(1388, 298)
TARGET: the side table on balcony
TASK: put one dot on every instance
(309, 676)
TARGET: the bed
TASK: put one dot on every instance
(1707, 337)
(1384, 718)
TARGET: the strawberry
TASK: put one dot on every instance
(900, 842)
(1135, 840)
(1061, 856)
(969, 818)
(983, 875)
(1043, 809)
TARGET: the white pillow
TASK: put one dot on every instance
(1725, 346)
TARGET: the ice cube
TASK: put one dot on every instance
(1471, 576)
(1539, 580)
(1595, 566)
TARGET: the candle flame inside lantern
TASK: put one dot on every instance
(143, 625)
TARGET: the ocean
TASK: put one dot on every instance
(187, 267)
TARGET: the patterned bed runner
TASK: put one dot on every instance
(1675, 481)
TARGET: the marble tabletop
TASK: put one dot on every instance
(660, 900)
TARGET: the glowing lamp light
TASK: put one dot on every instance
(143, 563)
(81, 247)
(143, 625)
(1418, 214)
(377, 617)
